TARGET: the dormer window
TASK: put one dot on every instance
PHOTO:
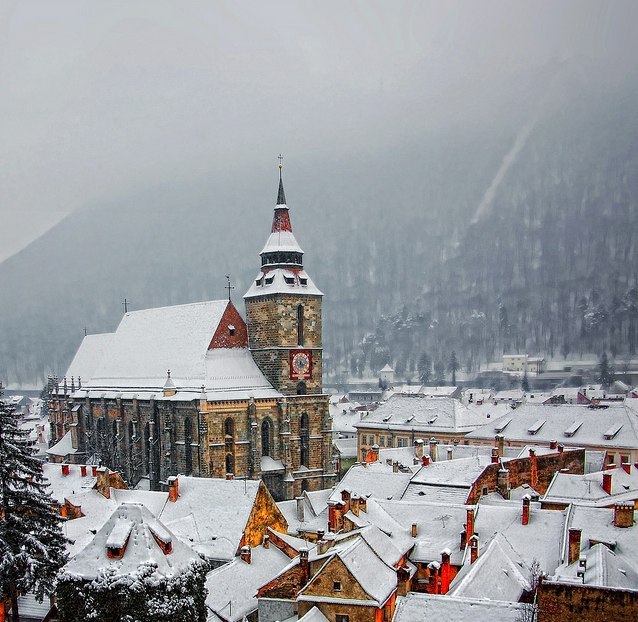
(303, 280)
(289, 280)
(118, 539)
(259, 282)
(269, 280)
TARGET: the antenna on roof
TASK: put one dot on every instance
(125, 305)
(229, 286)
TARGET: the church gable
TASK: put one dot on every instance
(231, 332)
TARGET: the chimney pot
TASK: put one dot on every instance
(83, 470)
(561, 448)
(65, 469)
(414, 530)
(553, 444)
(173, 489)
(246, 554)
(93, 470)
(526, 505)
(425, 461)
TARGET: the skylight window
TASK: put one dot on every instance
(431, 420)
(536, 426)
(611, 432)
(573, 428)
(502, 425)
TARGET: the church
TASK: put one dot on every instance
(194, 389)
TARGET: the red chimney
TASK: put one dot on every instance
(469, 526)
(425, 461)
(65, 469)
(94, 470)
(526, 503)
(303, 564)
(495, 455)
(553, 444)
(474, 548)
(445, 571)
(561, 448)
(173, 489)
(83, 470)
(607, 482)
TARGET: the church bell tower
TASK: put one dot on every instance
(283, 311)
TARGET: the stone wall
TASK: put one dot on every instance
(584, 603)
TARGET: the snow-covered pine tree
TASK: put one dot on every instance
(525, 382)
(32, 547)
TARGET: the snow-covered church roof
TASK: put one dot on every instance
(179, 338)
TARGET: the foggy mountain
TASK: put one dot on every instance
(498, 220)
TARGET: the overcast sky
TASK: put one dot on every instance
(97, 97)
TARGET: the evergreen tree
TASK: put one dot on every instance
(32, 547)
(453, 366)
(439, 373)
(525, 382)
(425, 368)
(606, 371)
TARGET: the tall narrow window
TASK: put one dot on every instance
(230, 463)
(229, 444)
(188, 450)
(300, 325)
(304, 434)
(266, 437)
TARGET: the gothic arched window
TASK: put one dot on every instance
(266, 437)
(188, 450)
(304, 433)
(300, 324)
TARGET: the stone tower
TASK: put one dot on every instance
(283, 311)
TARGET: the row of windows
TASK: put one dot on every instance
(383, 441)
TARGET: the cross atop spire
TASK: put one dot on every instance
(281, 195)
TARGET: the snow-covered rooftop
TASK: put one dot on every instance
(419, 607)
(375, 480)
(282, 281)
(88, 357)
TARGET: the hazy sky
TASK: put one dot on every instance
(97, 97)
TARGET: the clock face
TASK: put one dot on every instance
(300, 364)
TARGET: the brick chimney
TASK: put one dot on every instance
(414, 530)
(446, 571)
(173, 489)
(433, 444)
(433, 579)
(83, 470)
(561, 448)
(503, 483)
(246, 554)
(300, 508)
(474, 548)
(463, 542)
(65, 469)
(553, 444)
(418, 449)
(607, 482)
(624, 514)
(469, 524)
(526, 504)
(495, 456)
(574, 545)
(500, 444)
(303, 565)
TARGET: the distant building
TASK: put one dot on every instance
(522, 363)
(386, 375)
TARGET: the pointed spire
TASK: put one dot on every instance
(281, 195)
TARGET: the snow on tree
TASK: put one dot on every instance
(425, 368)
(32, 547)
(606, 371)
(525, 382)
(453, 366)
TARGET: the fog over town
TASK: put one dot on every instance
(448, 197)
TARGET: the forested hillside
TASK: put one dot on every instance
(512, 230)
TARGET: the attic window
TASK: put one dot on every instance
(289, 280)
(573, 428)
(611, 432)
(502, 425)
(231, 329)
(342, 617)
(269, 280)
(303, 280)
(336, 586)
(536, 426)
(259, 281)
